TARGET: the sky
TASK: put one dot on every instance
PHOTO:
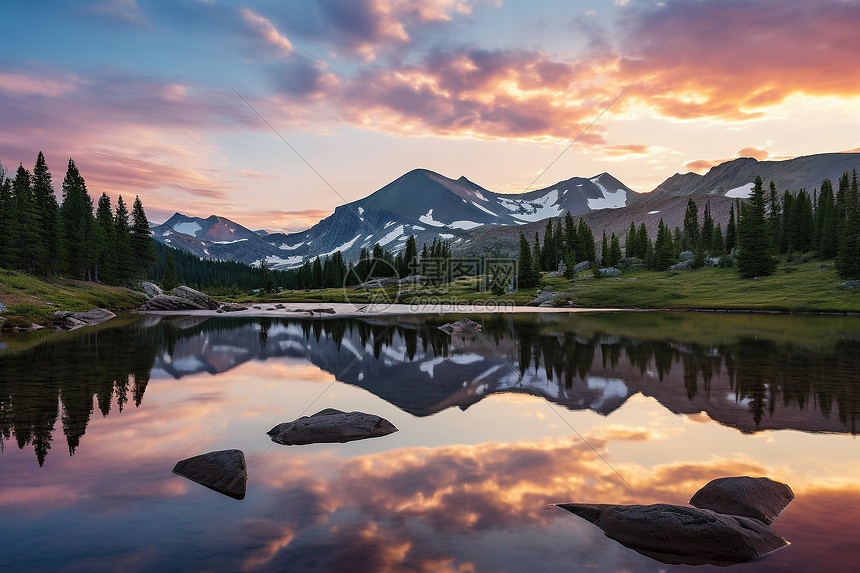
(272, 113)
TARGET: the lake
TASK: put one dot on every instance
(539, 409)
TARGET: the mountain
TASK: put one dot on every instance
(421, 203)
(735, 178)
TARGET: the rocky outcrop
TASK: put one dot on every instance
(197, 297)
(850, 284)
(168, 302)
(676, 534)
(223, 471)
(686, 256)
(413, 280)
(3, 308)
(548, 298)
(462, 327)
(760, 498)
(583, 266)
(378, 283)
(67, 320)
(329, 426)
(151, 290)
(682, 266)
(562, 268)
(609, 272)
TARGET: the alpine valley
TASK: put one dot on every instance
(478, 221)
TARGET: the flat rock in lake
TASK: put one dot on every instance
(67, 320)
(677, 534)
(223, 471)
(330, 425)
(463, 327)
(760, 498)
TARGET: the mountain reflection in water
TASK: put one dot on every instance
(748, 372)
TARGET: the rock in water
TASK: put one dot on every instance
(167, 302)
(759, 498)
(463, 327)
(67, 320)
(331, 425)
(223, 471)
(676, 534)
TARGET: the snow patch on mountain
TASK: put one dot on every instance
(482, 208)
(392, 235)
(279, 263)
(535, 209)
(610, 200)
(481, 197)
(428, 219)
(341, 248)
(286, 247)
(465, 225)
(187, 228)
(742, 192)
(229, 242)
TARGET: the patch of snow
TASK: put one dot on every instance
(536, 209)
(188, 228)
(430, 364)
(465, 225)
(428, 219)
(470, 358)
(388, 224)
(345, 343)
(165, 233)
(228, 242)
(653, 212)
(279, 262)
(188, 364)
(481, 197)
(446, 236)
(286, 247)
(484, 209)
(612, 388)
(341, 248)
(417, 228)
(361, 210)
(610, 200)
(206, 251)
(742, 192)
(391, 236)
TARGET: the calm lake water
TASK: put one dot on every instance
(539, 409)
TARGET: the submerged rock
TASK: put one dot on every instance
(760, 498)
(676, 534)
(463, 327)
(330, 425)
(223, 471)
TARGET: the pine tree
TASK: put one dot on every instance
(754, 241)
(585, 245)
(410, 257)
(801, 224)
(47, 215)
(570, 239)
(690, 238)
(848, 257)
(614, 250)
(23, 232)
(8, 223)
(718, 245)
(527, 277)
(707, 236)
(170, 280)
(107, 243)
(76, 213)
(548, 255)
(643, 241)
(664, 250)
(630, 242)
(142, 252)
(775, 217)
(122, 235)
(827, 241)
(731, 231)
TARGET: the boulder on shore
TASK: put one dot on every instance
(677, 534)
(151, 289)
(197, 297)
(759, 498)
(168, 302)
(462, 327)
(330, 425)
(609, 272)
(67, 320)
(223, 471)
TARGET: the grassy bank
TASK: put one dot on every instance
(35, 300)
(795, 287)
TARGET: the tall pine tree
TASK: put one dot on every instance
(754, 240)
(47, 217)
(122, 233)
(142, 252)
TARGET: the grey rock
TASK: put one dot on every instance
(760, 498)
(609, 272)
(331, 425)
(3, 308)
(66, 320)
(677, 534)
(712, 261)
(377, 283)
(223, 471)
(232, 307)
(686, 256)
(542, 297)
(583, 266)
(562, 268)
(413, 279)
(463, 327)
(323, 310)
(196, 297)
(150, 289)
(850, 284)
(554, 275)
(168, 302)
(682, 266)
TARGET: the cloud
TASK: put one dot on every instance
(264, 29)
(757, 153)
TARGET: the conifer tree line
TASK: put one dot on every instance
(76, 238)
(764, 225)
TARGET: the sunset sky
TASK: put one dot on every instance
(143, 94)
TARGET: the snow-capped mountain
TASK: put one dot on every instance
(421, 203)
